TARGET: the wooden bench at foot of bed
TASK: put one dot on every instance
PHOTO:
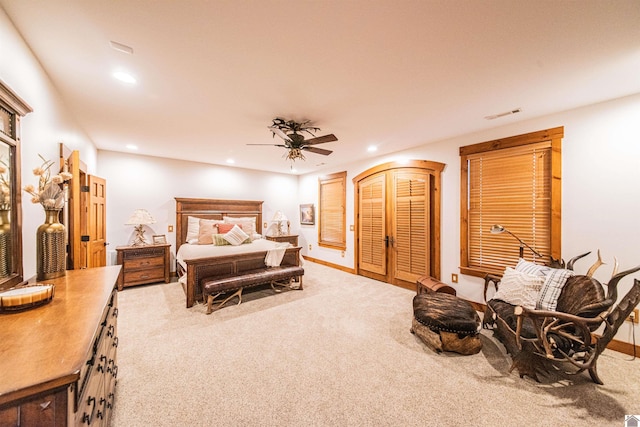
(200, 269)
(214, 287)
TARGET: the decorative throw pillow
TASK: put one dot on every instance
(236, 236)
(193, 229)
(218, 240)
(553, 284)
(206, 229)
(224, 228)
(519, 288)
(529, 267)
(248, 224)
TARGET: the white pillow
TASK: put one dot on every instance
(529, 267)
(236, 236)
(193, 229)
(519, 288)
(553, 284)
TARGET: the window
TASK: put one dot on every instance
(331, 229)
(514, 182)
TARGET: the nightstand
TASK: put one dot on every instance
(143, 264)
(291, 238)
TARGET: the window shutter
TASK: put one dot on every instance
(331, 230)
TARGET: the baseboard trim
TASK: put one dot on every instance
(329, 264)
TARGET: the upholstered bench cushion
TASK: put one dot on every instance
(445, 312)
(249, 278)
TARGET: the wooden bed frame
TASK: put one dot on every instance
(201, 268)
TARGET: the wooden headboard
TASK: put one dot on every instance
(213, 209)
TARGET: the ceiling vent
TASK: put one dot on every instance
(507, 113)
(121, 47)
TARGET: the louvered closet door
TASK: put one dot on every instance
(372, 253)
(410, 225)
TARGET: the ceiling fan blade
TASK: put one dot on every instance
(317, 150)
(272, 145)
(277, 131)
(320, 139)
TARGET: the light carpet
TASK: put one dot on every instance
(338, 353)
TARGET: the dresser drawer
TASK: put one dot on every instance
(144, 275)
(145, 262)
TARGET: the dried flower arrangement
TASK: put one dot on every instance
(48, 194)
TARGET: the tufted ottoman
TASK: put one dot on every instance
(445, 322)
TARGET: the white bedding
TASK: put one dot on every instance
(187, 251)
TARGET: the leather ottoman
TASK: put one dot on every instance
(445, 322)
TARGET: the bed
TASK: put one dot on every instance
(197, 262)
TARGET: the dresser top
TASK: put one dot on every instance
(44, 348)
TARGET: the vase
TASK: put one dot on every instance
(5, 242)
(50, 247)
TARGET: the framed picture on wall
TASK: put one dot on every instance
(307, 214)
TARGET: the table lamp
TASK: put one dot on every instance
(497, 229)
(279, 218)
(140, 218)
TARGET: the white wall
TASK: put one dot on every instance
(152, 183)
(600, 192)
(42, 130)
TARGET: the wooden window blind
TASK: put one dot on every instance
(332, 217)
(516, 186)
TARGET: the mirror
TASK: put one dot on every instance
(6, 258)
(12, 108)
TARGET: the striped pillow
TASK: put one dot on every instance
(553, 284)
(532, 268)
(236, 236)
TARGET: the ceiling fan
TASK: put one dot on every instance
(292, 134)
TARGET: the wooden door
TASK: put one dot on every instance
(410, 234)
(76, 221)
(372, 254)
(397, 222)
(96, 222)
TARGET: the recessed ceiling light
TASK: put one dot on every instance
(131, 147)
(231, 161)
(124, 77)
(372, 149)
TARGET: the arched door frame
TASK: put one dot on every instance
(432, 168)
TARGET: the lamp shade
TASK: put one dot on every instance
(279, 216)
(139, 217)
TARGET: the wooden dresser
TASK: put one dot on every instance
(291, 238)
(143, 264)
(58, 364)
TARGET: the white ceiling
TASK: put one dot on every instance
(391, 73)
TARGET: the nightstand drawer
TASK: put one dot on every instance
(144, 275)
(143, 264)
(146, 262)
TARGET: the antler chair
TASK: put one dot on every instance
(537, 339)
